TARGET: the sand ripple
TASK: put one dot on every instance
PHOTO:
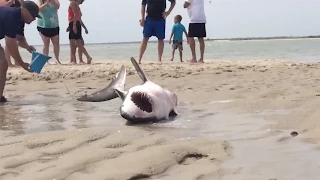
(98, 154)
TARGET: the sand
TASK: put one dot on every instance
(257, 88)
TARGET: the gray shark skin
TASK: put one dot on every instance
(107, 93)
(143, 103)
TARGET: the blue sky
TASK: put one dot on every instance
(118, 21)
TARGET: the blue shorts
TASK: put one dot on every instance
(154, 27)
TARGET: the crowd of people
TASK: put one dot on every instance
(14, 14)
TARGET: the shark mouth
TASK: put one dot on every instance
(142, 100)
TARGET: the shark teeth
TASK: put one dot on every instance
(143, 101)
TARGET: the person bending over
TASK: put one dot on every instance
(10, 20)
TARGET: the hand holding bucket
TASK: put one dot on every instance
(38, 61)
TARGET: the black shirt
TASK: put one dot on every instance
(155, 8)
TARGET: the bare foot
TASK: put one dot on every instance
(12, 65)
(171, 59)
(160, 62)
(181, 61)
(58, 61)
(82, 62)
(201, 61)
(89, 60)
(73, 62)
(192, 61)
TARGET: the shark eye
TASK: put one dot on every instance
(142, 101)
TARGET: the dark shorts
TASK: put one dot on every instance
(177, 45)
(154, 27)
(49, 32)
(197, 30)
(72, 35)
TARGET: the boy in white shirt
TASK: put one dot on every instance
(197, 26)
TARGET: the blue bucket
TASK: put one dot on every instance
(38, 61)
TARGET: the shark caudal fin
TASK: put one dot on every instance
(139, 70)
(108, 93)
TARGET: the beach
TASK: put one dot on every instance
(235, 122)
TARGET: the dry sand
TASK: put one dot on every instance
(134, 153)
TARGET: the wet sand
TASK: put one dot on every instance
(235, 123)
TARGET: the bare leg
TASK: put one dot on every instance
(56, 47)
(180, 54)
(80, 50)
(193, 49)
(160, 49)
(143, 47)
(7, 57)
(85, 52)
(173, 51)
(46, 43)
(3, 73)
(202, 47)
(73, 48)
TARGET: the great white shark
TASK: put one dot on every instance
(143, 103)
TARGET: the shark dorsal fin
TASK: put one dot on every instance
(138, 69)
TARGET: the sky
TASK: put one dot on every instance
(118, 20)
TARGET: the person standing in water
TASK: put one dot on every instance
(75, 31)
(48, 26)
(21, 40)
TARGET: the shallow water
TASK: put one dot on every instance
(259, 153)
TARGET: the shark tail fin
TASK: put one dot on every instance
(108, 92)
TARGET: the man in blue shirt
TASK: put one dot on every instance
(154, 24)
(21, 40)
(177, 30)
(10, 24)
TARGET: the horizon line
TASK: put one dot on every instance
(217, 39)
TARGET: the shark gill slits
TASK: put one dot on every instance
(142, 101)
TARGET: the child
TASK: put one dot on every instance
(177, 30)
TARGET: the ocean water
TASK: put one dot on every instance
(286, 49)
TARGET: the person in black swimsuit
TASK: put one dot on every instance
(21, 40)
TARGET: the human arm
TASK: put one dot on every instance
(84, 26)
(185, 32)
(12, 45)
(172, 5)
(6, 3)
(41, 5)
(172, 32)
(10, 33)
(22, 42)
(143, 12)
(187, 3)
(55, 3)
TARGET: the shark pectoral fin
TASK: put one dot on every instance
(121, 93)
(174, 112)
(108, 92)
(139, 70)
